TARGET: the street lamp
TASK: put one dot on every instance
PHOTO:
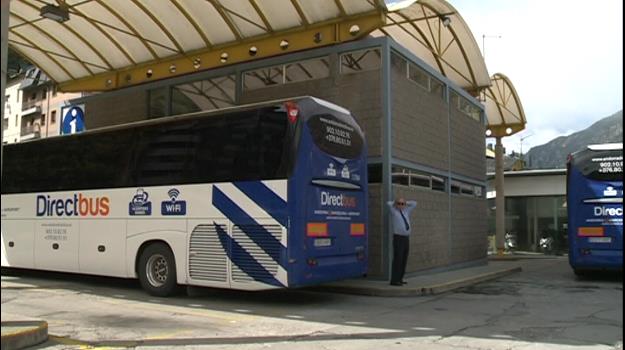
(522, 138)
(58, 13)
(446, 21)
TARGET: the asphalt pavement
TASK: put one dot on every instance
(19, 333)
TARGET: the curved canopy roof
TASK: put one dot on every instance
(107, 44)
(504, 112)
(435, 32)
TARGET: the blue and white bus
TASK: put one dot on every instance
(595, 208)
(262, 196)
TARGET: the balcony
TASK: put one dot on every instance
(30, 132)
(30, 110)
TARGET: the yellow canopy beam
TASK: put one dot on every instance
(303, 38)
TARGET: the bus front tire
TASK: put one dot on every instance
(157, 270)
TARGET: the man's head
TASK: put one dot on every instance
(400, 203)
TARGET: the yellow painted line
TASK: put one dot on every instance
(169, 335)
(67, 341)
(83, 345)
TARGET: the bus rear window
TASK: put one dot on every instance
(604, 166)
(336, 137)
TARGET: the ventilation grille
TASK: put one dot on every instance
(207, 258)
(248, 254)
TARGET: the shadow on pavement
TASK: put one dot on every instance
(301, 304)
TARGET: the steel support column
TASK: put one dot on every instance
(500, 202)
(387, 157)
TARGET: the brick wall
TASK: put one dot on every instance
(116, 109)
(429, 241)
(360, 93)
(467, 146)
(420, 123)
(376, 233)
(469, 229)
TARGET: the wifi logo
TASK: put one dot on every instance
(173, 194)
(174, 206)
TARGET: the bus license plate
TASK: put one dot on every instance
(323, 242)
(599, 239)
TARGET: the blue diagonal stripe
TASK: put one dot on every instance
(261, 237)
(251, 267)
(265, 198)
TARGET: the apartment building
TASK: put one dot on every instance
(33, 107)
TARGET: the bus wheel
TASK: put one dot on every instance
(579, 272)
(157, 270)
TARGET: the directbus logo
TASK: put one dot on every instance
(339, 200)
(77, 205)
(605, 211)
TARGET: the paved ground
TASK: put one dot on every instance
(543, 307)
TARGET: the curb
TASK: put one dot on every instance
(503, 258)
(446, 287)
(521, 257)
(22, 334)
(385, 291)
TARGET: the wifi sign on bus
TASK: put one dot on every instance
(174, 206)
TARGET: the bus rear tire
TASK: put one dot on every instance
(157, 270)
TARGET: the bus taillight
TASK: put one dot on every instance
(292, 111)
(317, 229)
(590, 231)
(357, 229)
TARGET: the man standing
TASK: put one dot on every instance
(400, 220)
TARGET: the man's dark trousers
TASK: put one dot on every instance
(400, 258)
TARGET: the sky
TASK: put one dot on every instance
(564, 58)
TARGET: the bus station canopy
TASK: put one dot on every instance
(109, 44)
(504, 111)
(435, 32)
(101, 45)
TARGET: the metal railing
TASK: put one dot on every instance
(33, 130)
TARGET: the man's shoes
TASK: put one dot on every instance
(404, 282)
(396, 284)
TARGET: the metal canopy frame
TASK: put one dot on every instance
(504, 111)
(434, 31)
(109, 44)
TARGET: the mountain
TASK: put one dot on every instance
(553, 154)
